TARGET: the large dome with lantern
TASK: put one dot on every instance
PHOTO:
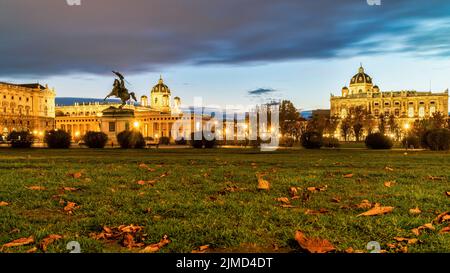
(361, 77)
(160, 87)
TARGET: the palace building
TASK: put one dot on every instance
(154, 118)
(406, 105)
(26, 107)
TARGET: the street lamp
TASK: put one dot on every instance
(136, 124)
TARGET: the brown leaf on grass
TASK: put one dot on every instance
(315, 212)
(387, 168)
(200, 249)
(286, 206)
(313, 245)
(349, 175)
(284, 200)
(156, 247)
(389, 184)
(365, 204)
(349, 250)
(19, 242)
(70, 207)
(445, 230)
(317, 189)
(410, 241)
(128, 241)
(293, 191)
(447, 193)
(262, 183)
(75, 175)
(336, 199)
(145, 182)
(417, 231)
(442, 217)
(48, 240)
(439, 178)
(36, 188)
(377, 210)
(69, 189)
(145, 167)
(415, 211)
(3, 204)
(32, 250)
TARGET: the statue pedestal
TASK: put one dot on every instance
(115, 120)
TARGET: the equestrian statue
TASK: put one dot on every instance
(120, 91)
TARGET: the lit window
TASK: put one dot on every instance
(411, 111)
(421, 112)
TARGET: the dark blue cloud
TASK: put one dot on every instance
(48, 37)
(261, 91)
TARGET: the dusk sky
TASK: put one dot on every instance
(226, 51)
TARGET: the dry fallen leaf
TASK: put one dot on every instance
(70, 207)
(349, 175)
(447, 193)
(287, 206)
(389, 169)
(315, 212)
(445, 230)
(435, 177)
(263, 184)
(284, 200)
(69, 189)
(445, 216)
(417, 231)
(20, 242)
(32, 250)
(3, 204)
(201, 249)
(317, 189)
(293, 191)
(156, 247)
(313, 245)
(48, 240)
(415, 211)
(365, 204)
(75, 175)
(377, 210)
(144, 182)
(389, 183)
(410, 241)
(36, 188)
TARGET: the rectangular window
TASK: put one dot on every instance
(112, 126)
(421, 112)
(411, 111)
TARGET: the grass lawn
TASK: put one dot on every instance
(210, 197)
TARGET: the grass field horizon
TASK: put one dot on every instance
(210, 198)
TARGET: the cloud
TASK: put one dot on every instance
(48, 37)
(261, 91)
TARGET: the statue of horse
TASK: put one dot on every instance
(120, 91)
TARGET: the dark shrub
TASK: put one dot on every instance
(423, 139)
(311, 140)
(411, 141)
(95, 139)
(331, 142)
(20, 139)
(164, 140)
(438, 139)
(209, 140)
(131, 139)
(181, 141)
(197, 140)
(57, 139)
(378, 141)
(287, 141)
(149, 139)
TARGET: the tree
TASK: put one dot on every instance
(437, 120)
(317, 123)
(358, 116)
(288, 118)
(331, 124)
(382, 124)
(393, 126)
(346, 126)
